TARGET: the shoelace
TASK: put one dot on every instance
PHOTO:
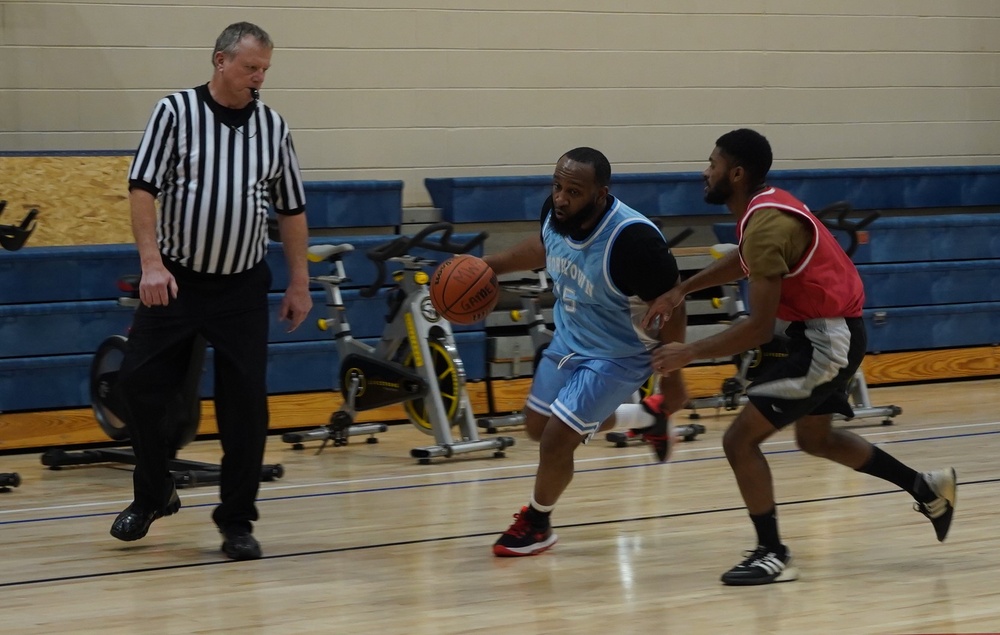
(933, 509)
(760, 555)
(521, 526)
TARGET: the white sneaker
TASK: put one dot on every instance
(941, 509)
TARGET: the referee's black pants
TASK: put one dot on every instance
(231, 313)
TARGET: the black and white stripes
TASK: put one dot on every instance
(216, 180)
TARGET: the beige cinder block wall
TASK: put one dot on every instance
(408, 89)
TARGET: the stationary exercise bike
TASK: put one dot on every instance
(12, 238)
(182, 419)
(415, 362)
(733, 395)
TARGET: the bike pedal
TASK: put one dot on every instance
(620, 439)
(689, 432)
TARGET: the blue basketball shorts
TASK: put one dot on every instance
(583, 391)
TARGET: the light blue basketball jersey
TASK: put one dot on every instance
(592, 316)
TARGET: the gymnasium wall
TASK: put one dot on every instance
(409, 89)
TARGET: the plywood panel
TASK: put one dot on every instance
(81, 199)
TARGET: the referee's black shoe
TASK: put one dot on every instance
(134, 521)
(239, 544)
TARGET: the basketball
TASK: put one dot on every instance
(464, 289)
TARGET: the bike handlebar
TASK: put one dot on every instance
(679, 237)
(402, 245)
(13, 237)
(851, 228)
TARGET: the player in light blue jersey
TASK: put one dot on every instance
(606, 262)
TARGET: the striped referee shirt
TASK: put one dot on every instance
(216, 171)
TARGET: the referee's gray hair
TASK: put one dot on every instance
(229, 40)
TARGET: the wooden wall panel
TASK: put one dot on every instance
(81, 199)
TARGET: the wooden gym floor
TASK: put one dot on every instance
(361, 539)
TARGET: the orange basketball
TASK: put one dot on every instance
(464, 289)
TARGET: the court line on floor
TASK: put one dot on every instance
(452, 482)
(436, 539)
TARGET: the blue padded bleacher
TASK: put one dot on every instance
(338, 204)
(916, 328)
(916, 284)
(62, 381)
(367, 317)
(359, 268)
(488, 199)
(519, 198)
(59, 328)
(931, 238)
(309, 366)
(64, 274)
(313, 366)
(59, 303)
(894, 188)
(38, 383)
(917, 239)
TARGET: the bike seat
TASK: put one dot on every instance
(319, 253)
(721, 249)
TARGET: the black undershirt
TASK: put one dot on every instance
(231, 117)
(641, 263)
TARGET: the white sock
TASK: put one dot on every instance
(542, 508)
(633, 416)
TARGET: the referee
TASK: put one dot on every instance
(216, 159)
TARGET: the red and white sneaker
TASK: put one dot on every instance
(523, 538)
(659, 436)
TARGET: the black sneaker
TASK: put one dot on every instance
(659, 436)
(240, 545)
(523, 538)
(761, 566)
(133, 522)
(940, 510)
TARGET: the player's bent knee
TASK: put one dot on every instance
(816, 445)
(534, 424)
(730, 442)
(813, 435)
